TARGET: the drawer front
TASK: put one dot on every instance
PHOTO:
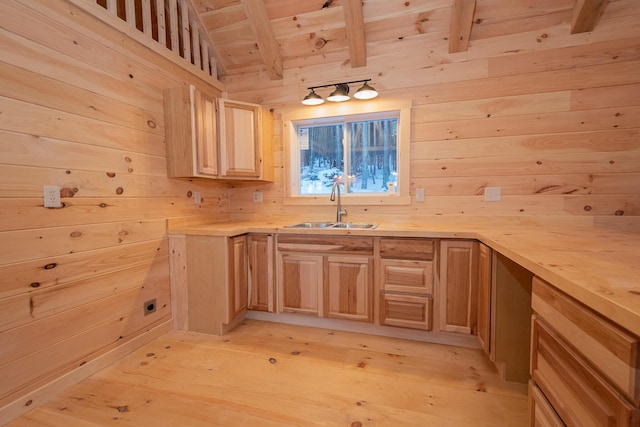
(612, 350)
(407, 276)
(406, 311)
(541, 413)
(421, 249)
(577, 392)
(326, 244)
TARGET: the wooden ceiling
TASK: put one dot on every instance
(274, 35)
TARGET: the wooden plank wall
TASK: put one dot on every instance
(81, 108)
(551, 118)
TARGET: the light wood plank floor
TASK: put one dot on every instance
(268, 374)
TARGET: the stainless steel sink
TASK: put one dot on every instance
(353, 225)
(333, 225)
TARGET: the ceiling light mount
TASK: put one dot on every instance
(340, 93)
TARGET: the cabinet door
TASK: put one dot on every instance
(541, 413)
(348, 288)
(261, 272)
(458, 289)
(191, 133)
(484, 296)
(240, 142)
(237, 297)
(300, 278)
(206, 143)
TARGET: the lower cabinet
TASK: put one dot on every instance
(328, 276)
(583, 367)
(405, 279)
(484, 296)
(217, 285)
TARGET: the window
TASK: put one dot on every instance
(365, 151)
(359, 151)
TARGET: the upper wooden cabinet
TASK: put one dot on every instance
(245, 134)
(191, 133)
(216, 138)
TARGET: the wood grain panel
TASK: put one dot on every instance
(26, 277)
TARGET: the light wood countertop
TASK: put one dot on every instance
(598, 267)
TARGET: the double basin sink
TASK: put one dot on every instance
(332, 225)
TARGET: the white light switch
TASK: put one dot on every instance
(419, 194)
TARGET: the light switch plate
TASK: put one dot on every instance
(419, 194)
(492, 194)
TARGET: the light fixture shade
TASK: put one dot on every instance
(340, 94)
(312, 99)
(365, 92)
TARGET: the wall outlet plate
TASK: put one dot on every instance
(52, 196)
(492, 194)
(257, 196)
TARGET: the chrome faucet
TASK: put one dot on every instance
(340, 212)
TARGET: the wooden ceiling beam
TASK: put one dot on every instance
(354, 26)
(263, 32)
(586, 14)
(462, 13)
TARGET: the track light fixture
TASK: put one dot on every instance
(340, 93)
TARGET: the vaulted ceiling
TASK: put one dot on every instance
(274, 35)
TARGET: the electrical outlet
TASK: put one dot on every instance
(197, 198)
(257, 196)
(149, 306)
(419, 194)
(52, 196)
(492, 194)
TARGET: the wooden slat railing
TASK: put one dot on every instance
(172, 23)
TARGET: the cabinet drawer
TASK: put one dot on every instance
(612, 350)
(326, 244)
(411, 276)
(406, 248)
(577, 392)
(407, 311)
(541, 412)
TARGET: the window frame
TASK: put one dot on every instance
(347, 112)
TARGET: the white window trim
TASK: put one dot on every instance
(324, 111)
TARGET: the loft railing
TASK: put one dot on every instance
(172, 23)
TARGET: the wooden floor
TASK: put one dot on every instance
(268, 374)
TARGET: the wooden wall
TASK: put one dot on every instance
(551, 118)
(81, 108)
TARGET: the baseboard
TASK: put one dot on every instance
(447, 338)
(43, 394)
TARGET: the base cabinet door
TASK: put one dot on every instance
(348, 293)
(407, 311)
(458, 289)
(261, 272)
(237, 291)
(300, 282)
(484, 296)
